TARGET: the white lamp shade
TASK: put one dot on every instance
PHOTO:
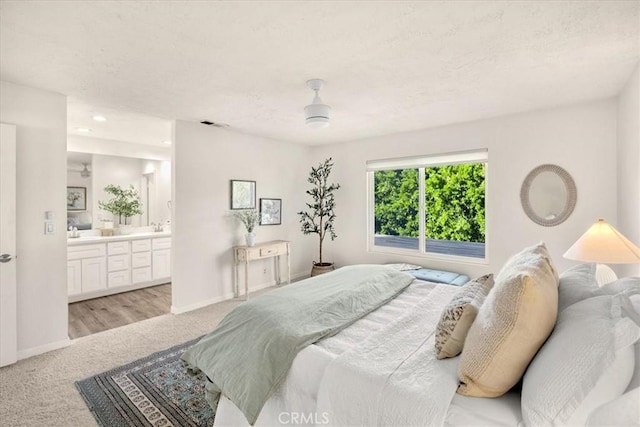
(602, 243)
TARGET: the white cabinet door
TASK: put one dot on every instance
(74, 277)
(94, 274)
(161, 264)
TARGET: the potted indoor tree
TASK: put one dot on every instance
(318, 219)
(124, 204)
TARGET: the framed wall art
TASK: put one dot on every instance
(76, 198)
(270, 211)
(243, 194)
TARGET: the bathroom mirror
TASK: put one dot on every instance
(548, 195)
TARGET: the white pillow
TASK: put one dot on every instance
(623, 411)
(576, 284)
(587, 361)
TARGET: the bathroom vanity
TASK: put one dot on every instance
(99, 266)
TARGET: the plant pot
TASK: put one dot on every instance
(321, 268)
(251, 239)
(125, 229)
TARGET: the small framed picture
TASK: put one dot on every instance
(76, 198)
(270, 211)
(243, 194)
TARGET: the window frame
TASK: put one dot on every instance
(420, 163)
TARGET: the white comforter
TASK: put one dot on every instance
(381, 370)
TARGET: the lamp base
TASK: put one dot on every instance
(604, 274)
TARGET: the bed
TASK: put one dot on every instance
(381, 369)
(308, 396)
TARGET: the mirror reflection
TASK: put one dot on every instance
(150, 178)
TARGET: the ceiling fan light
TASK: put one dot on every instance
(316, 114)
(85, 173)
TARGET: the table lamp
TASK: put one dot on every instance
(601, 244)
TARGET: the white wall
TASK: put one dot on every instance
(581, 139)
(204, 160)
(41, 120)
(629, 165)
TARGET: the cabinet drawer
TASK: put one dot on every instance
(86, 251)
(141, 245)
(116, 248)
(118, 262)
(162, 243)
(119, 278)
(140, 259)
(270, 251)
(139, 275)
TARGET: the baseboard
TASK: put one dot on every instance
(229, 295)
(197, 305)
(34, 351)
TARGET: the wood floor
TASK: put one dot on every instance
(99, 314)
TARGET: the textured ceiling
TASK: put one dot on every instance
(389, 66)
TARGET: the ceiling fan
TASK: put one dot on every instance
(85, 173)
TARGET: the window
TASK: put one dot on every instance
(432, 205)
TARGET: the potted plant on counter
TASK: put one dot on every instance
(124, 204)
(320, 216)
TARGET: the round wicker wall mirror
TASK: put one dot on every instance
(548, 195)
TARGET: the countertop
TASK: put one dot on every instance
(103, 239)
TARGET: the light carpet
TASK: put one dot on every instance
(40, 391)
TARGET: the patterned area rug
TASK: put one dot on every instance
(153, 391)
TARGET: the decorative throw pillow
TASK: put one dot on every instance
(587, 362)
(576, 284)
(459, 314)
(512, 324)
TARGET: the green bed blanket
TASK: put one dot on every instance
(250, 352)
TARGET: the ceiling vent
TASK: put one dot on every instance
(214, 124)
(316, 114)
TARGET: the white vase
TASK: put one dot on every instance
(125, 229)
(251, 239)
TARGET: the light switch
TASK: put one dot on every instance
(49, 227)
(50, 215)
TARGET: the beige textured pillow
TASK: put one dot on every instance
(459, 314)
(512, 324)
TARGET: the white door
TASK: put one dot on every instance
(8, 300)
(74, 277)
(161, 265)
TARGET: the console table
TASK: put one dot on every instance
(245, 254)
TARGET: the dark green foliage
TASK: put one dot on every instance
(454, 202)
(397, 206)
(320, 216)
